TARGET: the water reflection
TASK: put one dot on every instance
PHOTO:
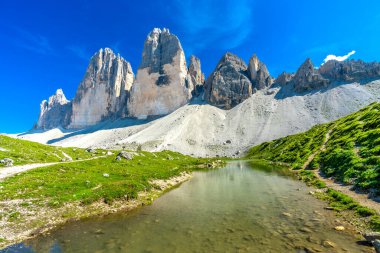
(245, 207)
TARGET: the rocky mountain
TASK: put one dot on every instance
(54, 112)
(243, 105)
(104, 90)
(283, 78)
(308, 78)
(259, 74)
(197, 78)
(228, 85)
(349, 71)
(162, 84)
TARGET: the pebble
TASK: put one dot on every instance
(339, 228)
(287, 214)
(328, 244)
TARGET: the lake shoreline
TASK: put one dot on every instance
(73, 212)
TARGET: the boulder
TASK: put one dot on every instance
(372, 236)
(7, 162)
(228, 85)
(307, 78)
(124, 154)
(162, 83)
(259, 74)
(104, 90)
(55, 112)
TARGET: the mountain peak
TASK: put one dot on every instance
(259, 73)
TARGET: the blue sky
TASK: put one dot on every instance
(47, 44)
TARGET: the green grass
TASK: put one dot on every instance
(26, 152)
(85, 181)
(352, 153)
(351, 156)
(293, 149)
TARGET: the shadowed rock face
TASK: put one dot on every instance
(351, 70)
(54, 113)
(283, 78)
(259, 74)
(162, 83)
(103, 91)
(307, 78)
(196, 76)
(228, 85)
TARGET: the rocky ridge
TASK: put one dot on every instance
(164, 83)
(54, 112)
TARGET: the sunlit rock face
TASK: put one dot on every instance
(196, 75)
(162, 84)
(259, 74)
(283, 79)
(308, 78)
(55, 112)
(229, 84)
(104, 90)
(351, 70)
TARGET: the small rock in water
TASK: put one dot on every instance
(98, 232)
(305, 230)
(339, 228)
(287, 214)
(376, 244)
(328, 244)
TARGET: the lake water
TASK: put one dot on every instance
(239, 208)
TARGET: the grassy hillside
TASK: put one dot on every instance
(25, 152)
(92, 180)
(351, 155)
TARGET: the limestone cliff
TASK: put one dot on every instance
(162, 84)
(228, 85)
(348, 71)
(104, 90)
(259, 74)
(308, 78)
(196, 76)
(55, 112)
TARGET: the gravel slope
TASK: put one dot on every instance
(204, 130)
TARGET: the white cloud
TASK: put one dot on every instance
(338, 58)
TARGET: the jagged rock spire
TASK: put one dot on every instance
(55, 112)
(196, 76)
(103, 91)
(162, 84)
(228, 85)
(259, 74)
(307, 78)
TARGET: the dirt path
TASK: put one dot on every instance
(10, 171)
(361, 198)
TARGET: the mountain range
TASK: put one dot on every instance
(169, 105)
